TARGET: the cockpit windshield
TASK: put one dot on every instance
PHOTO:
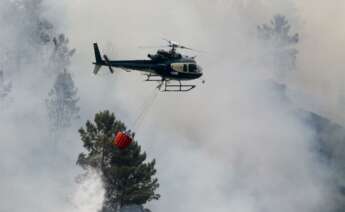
(186, 67)
(193, 68)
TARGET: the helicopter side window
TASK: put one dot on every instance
(177, 67)
(185, 68)
(192, 68)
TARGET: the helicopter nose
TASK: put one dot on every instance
(199, 69)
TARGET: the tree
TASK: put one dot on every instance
(278, 41)
(62, 102)
(62, 54)
(62, 106)
(128, 179)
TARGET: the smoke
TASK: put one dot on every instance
(230, 145)
(321, 57)
(90, 188)
(37, 174)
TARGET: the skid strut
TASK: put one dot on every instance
(175, 88)
(165, 85)
(153, 78)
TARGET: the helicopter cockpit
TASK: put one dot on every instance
(186, 67)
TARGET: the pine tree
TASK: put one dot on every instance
(278, 41)
(62, 54)
(128, 179)
(62, 102)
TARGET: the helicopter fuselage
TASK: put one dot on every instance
(181, 69)
(167, 65)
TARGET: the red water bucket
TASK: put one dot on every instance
(122, 140)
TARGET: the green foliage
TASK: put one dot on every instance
(128, 179)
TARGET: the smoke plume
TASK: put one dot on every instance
(231, 144)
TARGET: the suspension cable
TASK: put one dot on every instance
(146, 107)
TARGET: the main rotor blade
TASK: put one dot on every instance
(167, 40)
(187, 48)
(174, 44)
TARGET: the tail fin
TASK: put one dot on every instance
(97, 67)
(98, 57)
(99, 62)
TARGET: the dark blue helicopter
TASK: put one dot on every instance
(164, 67)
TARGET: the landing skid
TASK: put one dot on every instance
(153, 78)
(176, 88)
(164, 85)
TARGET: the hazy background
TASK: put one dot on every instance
(229, 145)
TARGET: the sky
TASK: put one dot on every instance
(232, 144)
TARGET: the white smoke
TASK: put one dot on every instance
(229, 145)
(37, 174)
(90, 193)
(321, 56)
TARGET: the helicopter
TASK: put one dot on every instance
(165, 66)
